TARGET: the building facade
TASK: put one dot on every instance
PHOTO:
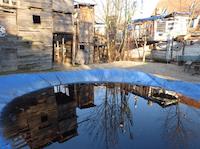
(34, 34)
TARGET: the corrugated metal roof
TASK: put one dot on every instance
(158, 17)
(152, 18)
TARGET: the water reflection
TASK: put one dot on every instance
(47, 116)
(40, 119)
(112, 117)
(180, 127)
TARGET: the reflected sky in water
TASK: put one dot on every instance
(108, 116)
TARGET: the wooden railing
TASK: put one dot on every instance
(10, 3)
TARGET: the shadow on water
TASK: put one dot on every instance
(101, 116)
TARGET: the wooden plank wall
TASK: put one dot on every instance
(38, 54)
(29, 45)
(8, 51)
(62, 16)
(86, 24)
(86, 33)
(66, 6)
(86, 30)
(62, 22)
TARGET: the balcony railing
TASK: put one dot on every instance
(10, 3)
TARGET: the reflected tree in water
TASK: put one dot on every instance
(179, 128)
(111, 117)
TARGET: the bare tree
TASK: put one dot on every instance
(117, 16)
(111, 118)
(178, 128)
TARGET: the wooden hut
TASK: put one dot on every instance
(31, 29)
(85, 32)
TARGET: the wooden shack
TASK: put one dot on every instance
(85, 32)
(31, 27)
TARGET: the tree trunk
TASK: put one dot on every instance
(144, 49)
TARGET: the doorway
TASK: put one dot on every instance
(62, 48)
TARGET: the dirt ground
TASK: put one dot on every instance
(167, 71)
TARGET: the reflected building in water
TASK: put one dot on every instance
(40, 119)
(47, 116)
(84, 94)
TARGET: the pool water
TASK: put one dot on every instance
(101, 116)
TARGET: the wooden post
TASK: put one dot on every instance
(74, 44)
(144, 49)
(183, 51)
(54, 52)
(58, 51)
(94, 55)
(63, 50)
(100, 53)
(74, 48)
(172, 46)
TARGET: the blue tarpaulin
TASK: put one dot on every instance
(152, 18)
(12, 86)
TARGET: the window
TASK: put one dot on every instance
(44, 118)
(161, 27)
(82, 47)
(36, 19)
